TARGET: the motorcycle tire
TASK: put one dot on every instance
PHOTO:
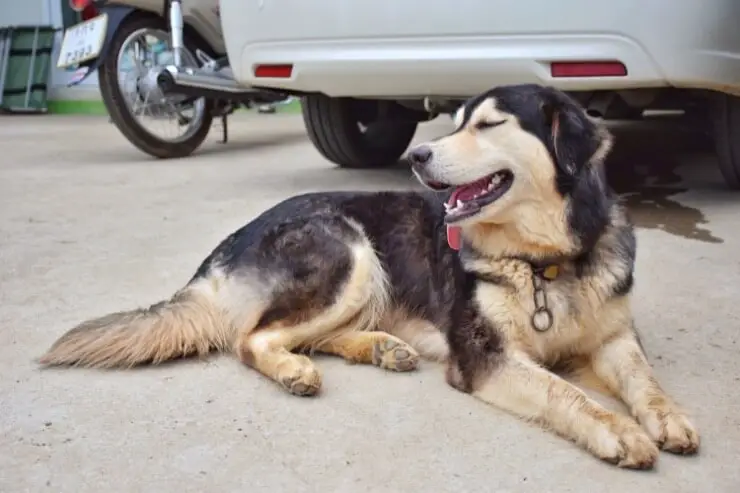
(119, 111)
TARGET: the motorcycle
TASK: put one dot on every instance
(159, 62)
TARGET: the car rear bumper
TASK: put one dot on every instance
(443, 67)
(680, 43)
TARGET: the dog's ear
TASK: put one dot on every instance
(579, 146)
(576, 139)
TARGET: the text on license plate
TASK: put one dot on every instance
(83, 41)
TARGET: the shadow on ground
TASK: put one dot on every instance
(253, 143)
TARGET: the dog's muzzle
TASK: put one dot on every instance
(419, 158)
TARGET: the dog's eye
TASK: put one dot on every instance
(482, 125)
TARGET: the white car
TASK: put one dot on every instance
(370, 70)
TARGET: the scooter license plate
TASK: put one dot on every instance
(83, 41)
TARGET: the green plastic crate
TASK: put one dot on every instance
(25, 62)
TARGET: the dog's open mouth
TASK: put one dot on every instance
(468, 200)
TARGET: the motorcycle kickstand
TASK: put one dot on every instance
(225, 128)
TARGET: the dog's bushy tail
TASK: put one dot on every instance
(187, 324)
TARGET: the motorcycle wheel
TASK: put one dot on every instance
(122, 96)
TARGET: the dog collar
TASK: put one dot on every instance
(542, 318)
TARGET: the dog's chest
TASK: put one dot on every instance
(559, 303)
(548, 317)
(552, 304)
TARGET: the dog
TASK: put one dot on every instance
(518, 259)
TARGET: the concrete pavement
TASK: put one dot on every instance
(89, 225)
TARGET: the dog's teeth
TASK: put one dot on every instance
(448, 207)
(459, 204)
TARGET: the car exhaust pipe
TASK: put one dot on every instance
(598, 104)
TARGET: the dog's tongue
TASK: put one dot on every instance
(453, 237)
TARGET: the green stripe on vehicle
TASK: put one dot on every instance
(96, 107)
(79, 107)
(292, 107)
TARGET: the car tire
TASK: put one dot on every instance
(336, 128)
(726, 119)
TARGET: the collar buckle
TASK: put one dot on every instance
(548, 272)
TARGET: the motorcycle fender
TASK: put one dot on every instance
(116, 15)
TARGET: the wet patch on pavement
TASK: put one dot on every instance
(642, 168)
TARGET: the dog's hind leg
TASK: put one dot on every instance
(624, 368)
(517, 385)
(377, 348)
(268, 351)
(332, 292)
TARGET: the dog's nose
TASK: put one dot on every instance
(420, 155)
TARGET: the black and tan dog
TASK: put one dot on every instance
(537, 273)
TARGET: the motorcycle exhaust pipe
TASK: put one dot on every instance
(191, 83)
(190, 78)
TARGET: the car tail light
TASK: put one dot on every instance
(588, 69)
(273, 71)
(79, 5)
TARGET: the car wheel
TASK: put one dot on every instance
(352, 134)
(726, 117)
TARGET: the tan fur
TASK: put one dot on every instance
(580, 372)
(220, 313)
(589, 325)
(623, 367)
(187, 324)
(524, 388)
(567, 410)
(378, 348)
(427, 339)
(585, 323)
(359, 307)
(529, 217)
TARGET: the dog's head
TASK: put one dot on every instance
(525, 159)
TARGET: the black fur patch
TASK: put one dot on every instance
(476, 347)
(620, 248)
(624, 286)
(303, 242)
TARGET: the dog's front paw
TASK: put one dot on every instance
(625, 444)
(671, 430)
